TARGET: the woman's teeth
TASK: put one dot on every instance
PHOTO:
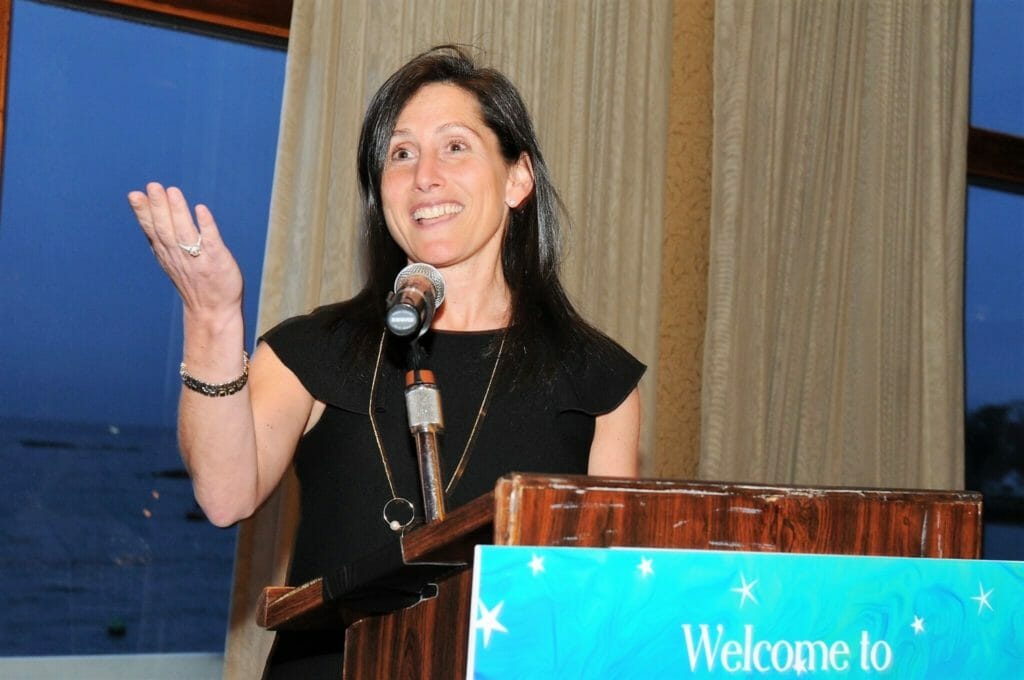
(434, 211)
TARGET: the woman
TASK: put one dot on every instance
(451, 175)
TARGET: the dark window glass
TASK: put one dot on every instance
(994, 293)
(102, 548)
(994, 338)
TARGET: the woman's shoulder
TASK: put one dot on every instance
(318, 347)
(330, 320)
(598, 372)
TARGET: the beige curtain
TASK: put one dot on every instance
(833, 348)
(595, 75)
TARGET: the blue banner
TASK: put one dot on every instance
(647, 613)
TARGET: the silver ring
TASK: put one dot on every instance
(193, 249)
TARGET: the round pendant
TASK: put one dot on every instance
(398, 514)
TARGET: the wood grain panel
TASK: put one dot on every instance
(996, 160)
(427, 641)
(5, 59)
(270, 18)
(593, 512)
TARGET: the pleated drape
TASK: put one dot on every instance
(833, 351)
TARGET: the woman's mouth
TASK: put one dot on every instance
(432, 212)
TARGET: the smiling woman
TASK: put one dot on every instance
(447, 149)
(448, 192)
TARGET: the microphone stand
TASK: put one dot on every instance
(423, 403)
(418, 292)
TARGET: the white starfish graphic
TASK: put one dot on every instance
(917, 625)
(646, 567)
(982, 598)
(746, 591)
(536, 564)
(488, 621)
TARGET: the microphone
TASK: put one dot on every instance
(418, 292)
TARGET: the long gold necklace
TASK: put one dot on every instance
(396, 501)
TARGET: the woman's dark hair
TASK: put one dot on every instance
(531, 249)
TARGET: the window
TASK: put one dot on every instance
(994, 293)
(102, 549)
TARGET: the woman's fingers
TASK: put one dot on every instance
(139, 203)
(208, 227)
(152, 211)
(166, 219)
(183, 228)
(162, 216)
(189, 250)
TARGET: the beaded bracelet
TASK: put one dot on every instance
(221, 390)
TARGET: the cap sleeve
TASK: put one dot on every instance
(313, 347)
(601, 379)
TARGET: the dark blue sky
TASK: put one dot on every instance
(994, 294)
(97, 106)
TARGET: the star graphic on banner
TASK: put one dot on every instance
(536, 564)
(799, 666)
(488, 621)
(746, 591)
(646, 567)
(917, 625)
(982, 598)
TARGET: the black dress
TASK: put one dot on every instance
(544, 428)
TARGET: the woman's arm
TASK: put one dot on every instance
(615, 451)
(236, 447)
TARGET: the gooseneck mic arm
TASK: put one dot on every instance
(426, 422)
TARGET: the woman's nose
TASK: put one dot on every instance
(428, 173)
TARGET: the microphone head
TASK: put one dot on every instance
(418, 292)
(426, 271)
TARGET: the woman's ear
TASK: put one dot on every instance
(520, 181)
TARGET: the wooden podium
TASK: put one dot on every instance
(430, 640)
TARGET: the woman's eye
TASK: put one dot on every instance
(457, 146)
(401, 154)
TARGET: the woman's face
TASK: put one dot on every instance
(446, 188)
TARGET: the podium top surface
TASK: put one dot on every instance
(531, 509)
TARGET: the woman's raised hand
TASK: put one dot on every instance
(216, 435)
(195, 258)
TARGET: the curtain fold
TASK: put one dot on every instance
(833, 347)
(595, 75)
(684, 246)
